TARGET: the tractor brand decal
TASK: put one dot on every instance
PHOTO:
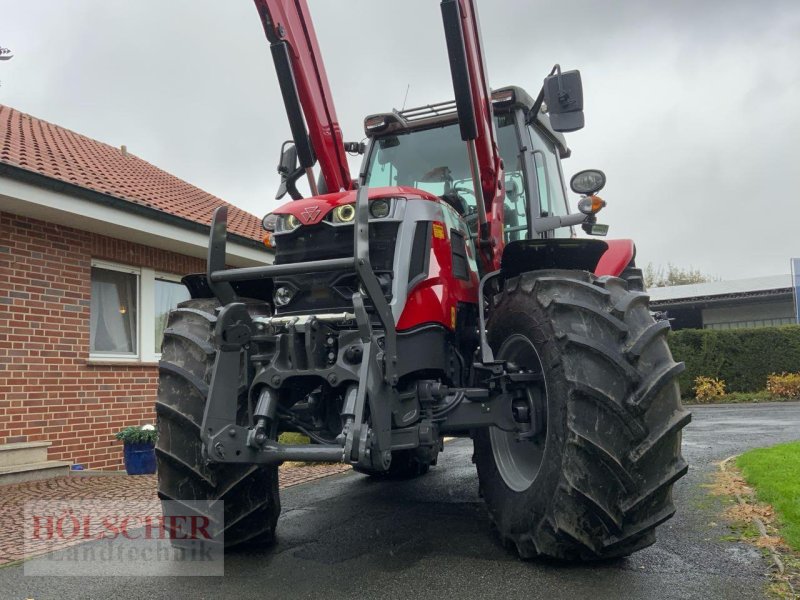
(438, 231)
(310, 214)
(453, 317)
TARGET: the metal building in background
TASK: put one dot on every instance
(736, 304)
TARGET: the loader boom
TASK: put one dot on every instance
(474, 104)
(304, 86)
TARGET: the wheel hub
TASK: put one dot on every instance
(518, 456)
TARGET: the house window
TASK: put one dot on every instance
(168, 294)
(129, 310)
(114, 312)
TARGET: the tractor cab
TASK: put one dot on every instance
(422, 148)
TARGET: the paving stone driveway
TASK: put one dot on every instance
(116, 486)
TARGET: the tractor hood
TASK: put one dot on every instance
(310, 211)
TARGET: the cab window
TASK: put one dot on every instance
(515, 222)
(551, 191)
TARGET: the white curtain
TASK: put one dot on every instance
(113, 312)
(168, 295)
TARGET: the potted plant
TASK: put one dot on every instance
(139, 449)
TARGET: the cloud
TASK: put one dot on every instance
(691, 106)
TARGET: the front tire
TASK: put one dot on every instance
(597, 479)
(250, 492)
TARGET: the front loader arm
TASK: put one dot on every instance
(305, 89)
(476, 119)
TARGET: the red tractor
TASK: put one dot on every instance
(441, 293)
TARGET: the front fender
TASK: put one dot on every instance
(601, 257)
(619, 255)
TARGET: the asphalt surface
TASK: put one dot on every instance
(347, 536)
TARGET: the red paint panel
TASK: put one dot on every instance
(616, 258)
(436, 299)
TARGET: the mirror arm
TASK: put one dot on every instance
(537, 104)
(543, 224)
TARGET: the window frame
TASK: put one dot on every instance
(522, 154)
(538, 138)
(131, 357)
(145, 322)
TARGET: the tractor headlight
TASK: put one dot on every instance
(345, 213)
(269, 222)
(285, 223)
(283, 295)
(379, 208)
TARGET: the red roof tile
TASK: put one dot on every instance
(41, 147)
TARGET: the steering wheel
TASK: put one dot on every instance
(454, 199)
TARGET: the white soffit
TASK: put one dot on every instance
(47, 205)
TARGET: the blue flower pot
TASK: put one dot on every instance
(140, 459)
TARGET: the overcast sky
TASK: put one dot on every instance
(692, 107)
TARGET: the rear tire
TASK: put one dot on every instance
(249, 492)
(602, 479)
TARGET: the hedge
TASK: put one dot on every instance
(741, 357)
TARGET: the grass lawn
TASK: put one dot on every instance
(775, 474)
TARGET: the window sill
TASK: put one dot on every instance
(105, 362)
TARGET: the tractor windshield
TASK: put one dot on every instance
(435, 160)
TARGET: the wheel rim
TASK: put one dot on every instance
(518, 462)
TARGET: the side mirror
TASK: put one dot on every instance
(588, 182)
(290, 172)
(563, 93)
(288, 160)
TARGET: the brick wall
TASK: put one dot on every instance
(48, 391)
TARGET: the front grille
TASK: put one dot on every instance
(322, 241)
(329, 291)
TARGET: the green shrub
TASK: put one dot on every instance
(785, 385)
(706, 388)
(743, 358)
(146, 434)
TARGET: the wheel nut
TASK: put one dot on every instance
(276, 380)
(332, 379)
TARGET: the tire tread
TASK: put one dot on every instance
(589, 520)
(250, 492)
